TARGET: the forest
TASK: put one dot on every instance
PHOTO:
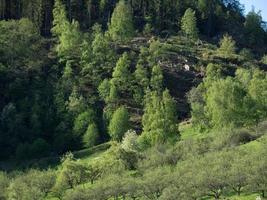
(132, 100)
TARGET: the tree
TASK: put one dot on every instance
(60, 21)
(227, 46)
(142, 83)
(121, 27)
(156, 81)
(189, 24)
(119, 124)
(159, 119)
(98, 58)
(225, 103)
(254, 32)
(91, 136)
(68, 34)
(120, 83)
(129, 142)
(82, 121)
(71, 174)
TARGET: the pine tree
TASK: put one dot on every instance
(120, 82)
(156, 81)
(68, 34)
(159, 119)
(189, 24)
(227, 46)
(142, 83)
(121, 27)
(60, 21)
(119, 124)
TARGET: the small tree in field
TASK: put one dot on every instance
(119, 124)
(189, 24)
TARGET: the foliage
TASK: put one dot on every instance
(227, 46)
(91, 136)
(121, 27)
(119, 124)
(189, 24)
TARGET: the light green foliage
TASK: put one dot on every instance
(119, 124)
(91, 135)
(68, 34)
(4, 182)
(71, 174)
(104, 90)
(156, 81)
(121, 74)
(33, 185)
(227, 47)
(121, 27)
(264, 59)
(189, 24)
(120, 83)
(159, 119)
(258, 91)
(225, 103)
(142, 83)
(98, 58)
(60, 21)
(129, 141)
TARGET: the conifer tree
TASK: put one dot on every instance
(159, 119)
(156, 81)
(227, 46)
(189, 24)
(121, 78)
(121, 27)
(60, 21)
(142, 82)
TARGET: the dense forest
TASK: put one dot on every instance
(132, 99)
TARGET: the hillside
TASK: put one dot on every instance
(120, 100)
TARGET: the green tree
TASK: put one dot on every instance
(121, 27)
(254, 32)
(156, 81)
(91, 136)
(225, 103)
(142, 83)
(71, 174)
(119, 124)
(227, 47)
(159, 119)
(189, 24)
